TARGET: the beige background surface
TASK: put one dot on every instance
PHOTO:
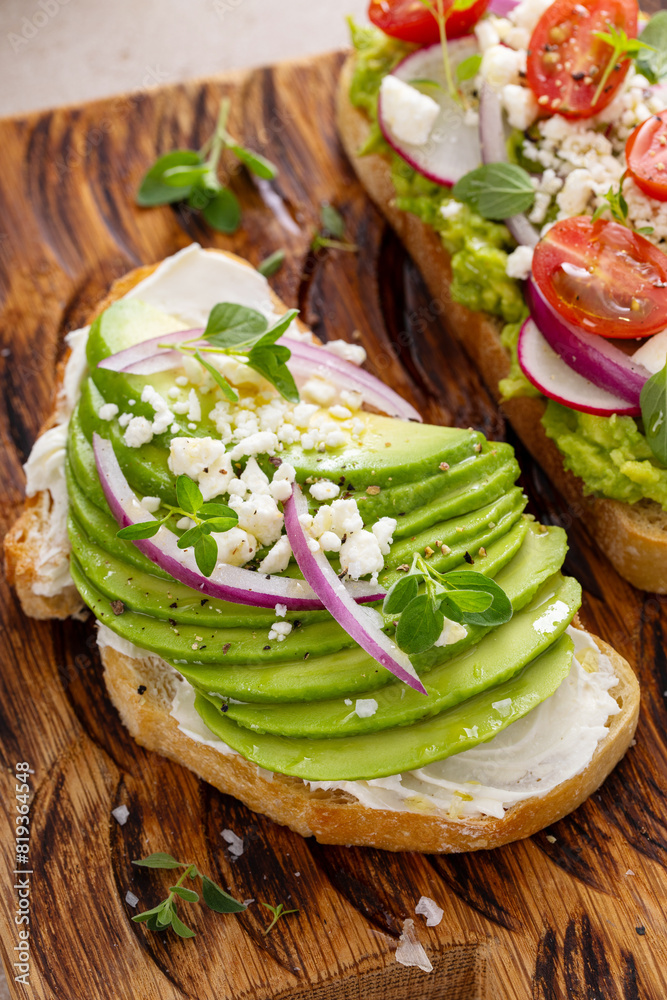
(56, 52)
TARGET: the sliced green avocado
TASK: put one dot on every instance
(394, 751)
(499, 655)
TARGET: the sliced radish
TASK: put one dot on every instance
(453, 147)
(360, 623)
(229, 583)
(494, 150)
(593, 357)
(555, 379)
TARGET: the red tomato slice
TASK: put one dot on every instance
(411, 21)
(646, 155)
(565, 60)
(603, 277)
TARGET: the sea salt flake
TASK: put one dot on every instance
(120, 814)
(131, 899)
(235, 843)
(427, 907)
(410, 951)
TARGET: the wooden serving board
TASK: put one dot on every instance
(577, 911)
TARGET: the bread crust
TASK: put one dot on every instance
(633, 536)
(336, 818)
(333, 818)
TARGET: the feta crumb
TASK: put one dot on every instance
(384, 529)
(451, 632)
(174, 393)
(427, 907)
(501, 65)
(277, 558)
(450, 209)
(261, 443)
(236, 547)
(365, 707)
(120, 814)
(181, 380)
(329, 542)
(318, 391)
(281, 610)
(351, 398)
(340, 412)
(151, 504)
(520, 104)
(194, 407)
(280, 631)
(235, 843)
(360, 554)
(259, 515)
(254, 478)
(107, 411)
(409, 114)
(353, 353)
(519, 263)
(324, 490)
(185, 523)
(139, 431)
(124, 419)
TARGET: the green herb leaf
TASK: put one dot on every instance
(332, 221)
(165, 914)
(424, 81)
(187, 894)
(270, 362)
(420, 625)
(277, 330)
(468, 600)
(653, 402)
(399, 595)
(206, 554)
(183, 176)
(219, 900)
(188, 494)
(220, 380)
(496, 190)
(229, 325)
(190, 537)
(143, 529)
(210, 509)
(499, 610)
(153, 189)
(223, 211)
(278, 912)
(468, 68)
(221, 523)
(272, 264)
(653, 63)
(179, 927)
(160, 860)
(622, 48)
(255, 162)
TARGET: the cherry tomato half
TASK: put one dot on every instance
(603, 277)
(565, 60)
(411, 21)
(646, 155)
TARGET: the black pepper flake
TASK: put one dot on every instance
(204, 601)
(469, 559)
(141, 689)
(224, 708)
(275, 461)
(172, 622)
(641, 930)
(267, 647)
(306, 655)
(225, 649)
(117, 607)
(296, 624)
(174, 605)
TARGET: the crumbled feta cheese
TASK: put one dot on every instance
(260, 516)
(261, 443)
(519, 263)
(256, 480)
(345, 517)
(351, 398)
(427, 907)
(335, 439)
(318, 391)
(181, 380)
(280, 631)
(384, 529)
(107, 411)
(151, 504)
(409, 114)
(329, 541)
(174, 393)
(502, 65)
(486, 34)
(163, 415)
(184, 523)
(139, 431)
(324, 490)
(281, 610)
(340, 412)
(194, 407)
(450, 209)
(236, 547)
(124, 419)
(353, 353)
(120, 814)
(520, 105)
(204, 460)
(277, 558)
(578, 187)
(360, 555)
(365, 707)
(451, 632)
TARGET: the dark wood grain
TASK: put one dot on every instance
(579, 916)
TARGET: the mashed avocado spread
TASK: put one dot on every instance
(609, 454)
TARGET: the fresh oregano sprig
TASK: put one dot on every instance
(653, 402)
(424, 597)
(278, 912)
(617, 206)
(496, 190)
(208, 517)
(331, 235)
(165, 915)
(244, 333)
(622, 48)
(192, 176)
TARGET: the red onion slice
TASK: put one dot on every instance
(555, 379)
(501, 8)
(125, 360)
(229, 583)
(595, 358)
(357, 622)
(494, 150)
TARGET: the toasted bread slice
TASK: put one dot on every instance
(332, 817)
(632, 536)
(335, 817)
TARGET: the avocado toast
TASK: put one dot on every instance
(278, 704)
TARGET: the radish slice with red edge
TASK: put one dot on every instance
(494, 150)
(555, 379)
(593, 357)
(228, 583)
(452, 148)
(501, 8)
(360, 623)
(306, 360)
